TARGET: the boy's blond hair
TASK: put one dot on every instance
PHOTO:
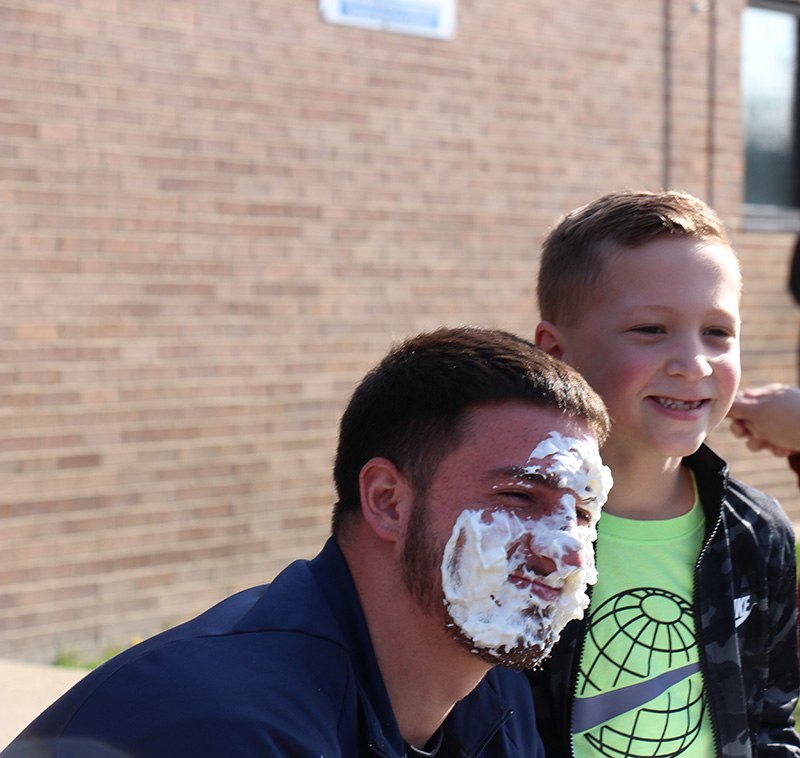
(574, 252)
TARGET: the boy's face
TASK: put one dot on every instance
(660, 345)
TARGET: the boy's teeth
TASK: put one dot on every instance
(678, 405)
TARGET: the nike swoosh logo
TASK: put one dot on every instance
(591, 711)
(741, 609)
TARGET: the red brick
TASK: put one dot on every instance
(215, 219)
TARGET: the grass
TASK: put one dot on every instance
(74, 660)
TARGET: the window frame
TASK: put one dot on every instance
(771, 218)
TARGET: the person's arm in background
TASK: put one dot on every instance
(768, 418)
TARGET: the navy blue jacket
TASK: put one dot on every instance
(285, 669)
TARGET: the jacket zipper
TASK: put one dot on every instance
(573, 674)
(701, 648)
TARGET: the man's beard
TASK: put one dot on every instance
(421, 566)
(421, 559)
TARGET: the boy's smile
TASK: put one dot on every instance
(660, 344)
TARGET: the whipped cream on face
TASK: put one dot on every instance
(577, 464)
(487, 547)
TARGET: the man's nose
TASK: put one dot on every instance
(571, 554)
(572, 548)
(540, 565)
(573, 557)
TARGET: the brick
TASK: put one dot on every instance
(80, 461)
(42, 331)
(217, 218)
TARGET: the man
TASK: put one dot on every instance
(469, 485)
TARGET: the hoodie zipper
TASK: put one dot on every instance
(573, 674)
(698, 633)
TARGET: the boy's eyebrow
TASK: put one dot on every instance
(653, 307)
(660, 307)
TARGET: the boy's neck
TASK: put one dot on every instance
(648, 492)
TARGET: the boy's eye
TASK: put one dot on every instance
(648, 329)
(719, 331)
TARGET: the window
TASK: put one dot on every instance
(770, 35)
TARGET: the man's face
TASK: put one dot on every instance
(500, 546)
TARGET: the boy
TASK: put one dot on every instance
(689, 646)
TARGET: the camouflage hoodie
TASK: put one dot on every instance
(746, 617)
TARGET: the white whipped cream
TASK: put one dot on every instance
(487, 546)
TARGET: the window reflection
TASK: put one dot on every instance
(769, 89)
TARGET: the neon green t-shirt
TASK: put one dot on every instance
(639, 690)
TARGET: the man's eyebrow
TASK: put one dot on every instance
(527, 474)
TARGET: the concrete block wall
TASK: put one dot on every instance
(215, 217)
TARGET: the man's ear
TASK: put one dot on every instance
(386, 498)
(549, 338)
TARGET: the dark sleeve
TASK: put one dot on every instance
(794, 273)
(794, 464)
(204, 699)
(777, 736)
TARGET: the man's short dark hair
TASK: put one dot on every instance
(408, 409)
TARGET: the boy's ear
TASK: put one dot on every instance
(386, 498)
(549, 338)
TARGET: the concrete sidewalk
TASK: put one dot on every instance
(26, 689)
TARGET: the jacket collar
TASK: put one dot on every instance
(711, 474)
(473, 720)
(333, 576)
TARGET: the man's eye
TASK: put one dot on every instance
(514, 494)
(584, 515)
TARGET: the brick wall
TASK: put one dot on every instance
(770, 339)
(216, 216)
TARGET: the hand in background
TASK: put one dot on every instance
(768, 418)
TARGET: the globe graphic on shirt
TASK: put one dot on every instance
(637, 634)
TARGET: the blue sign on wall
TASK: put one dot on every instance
(426, 18)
